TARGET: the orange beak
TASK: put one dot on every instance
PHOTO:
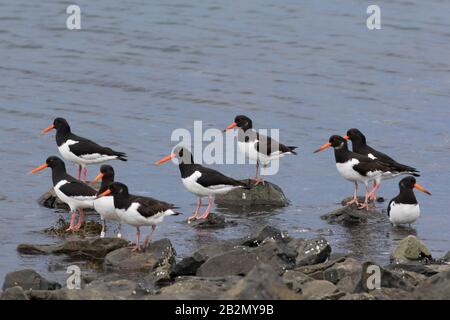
(231, 126)
(165, 159)
(98, 177)
(325, 146)
(346, 137)
(106, 193)
(419, 187)
(48, 129)
(41, 167)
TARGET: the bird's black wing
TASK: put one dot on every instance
(77, 189)
(150, 207)
(267, 145)
(389, 161)
(86, 147)
(212, 177)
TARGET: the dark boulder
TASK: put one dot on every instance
(213, 221)
(28, 279)
(350, 215)
(14, 293)
(268, 194)
(312, 251)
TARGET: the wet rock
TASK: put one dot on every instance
(196, 288)
(157, 254)
(294, 279)
(214, 221)
(312, 251)
(349, 215)
(315, 271)
(50, 200)
(188, 266)
(410, 249)
(360, 199)
(262, 234)
(357, 296)
(436, 287)
(268, 194)
(89, 228)
(345, 275)
(14, 293)
(388, 279)
(261, 283)
(89, 248)
(390, 294)
(241, 260)
(28, 279)
(320, 290)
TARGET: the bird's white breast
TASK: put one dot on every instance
(347, 172)
(401, 213)
(105, 207)
(74, 202)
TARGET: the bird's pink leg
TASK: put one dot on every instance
(149, 237)
(355, 196)
(80, 220)
(85, 174)
(257, 179)
(365, 205)
(72, 221)
(373, 193)
(197, 211)
(79, 172)
(137, 247)
(210, 204)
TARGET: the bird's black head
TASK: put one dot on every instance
(183, 155)
(61, 124)
(118, 188)
(355, 136)
(407, 182)
(55, 162)
(243, 122)
(335, 141)
(107, 171)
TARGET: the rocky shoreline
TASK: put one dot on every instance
(267, 264)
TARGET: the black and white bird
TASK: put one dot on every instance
(258, 147)
(138, 211)
(76, 194)
(404, 208)
(201, 181)
(356, 167)
(359, 145)
(105, 205)
(80, 150)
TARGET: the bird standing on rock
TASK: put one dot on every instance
(360, 146)
(201, 181)
(80, 150)
(404, 208)
(258, 147)
(76, 194)
(356, 167)
(105, 205)
(138, 211)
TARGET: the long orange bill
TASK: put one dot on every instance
(48, 129)
(419, 187)
(41, 167)
(231, 126)
(165, 159)
(346, 137)
(325, 146)
(98, 177)
(106, 193)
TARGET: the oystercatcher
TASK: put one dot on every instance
(76, 194)
(360, 146)
(80, 150)
(105, 205)
(404, 208)
(258, 147)
(138, 211)
(356, 167)
(201, 181)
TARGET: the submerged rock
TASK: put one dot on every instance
(89, 228)
(157, 254)
(90, 248)
(261, 283)
(268, 194)
(410, 249)
(213, 221)
(349, 215)
(28, 279)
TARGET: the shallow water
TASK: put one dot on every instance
(136, 72)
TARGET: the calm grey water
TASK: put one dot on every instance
(140, 69)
